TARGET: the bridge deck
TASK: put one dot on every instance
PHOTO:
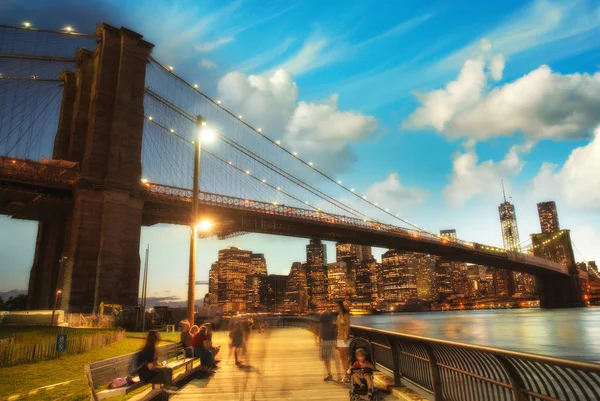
(283, 364)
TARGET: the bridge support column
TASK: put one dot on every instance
(559, 291)
(45, 272)
(103, 262)
(107, 116)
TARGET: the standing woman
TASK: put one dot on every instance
(343, 336)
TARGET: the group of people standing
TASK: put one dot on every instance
(334, 334)
(197, 342)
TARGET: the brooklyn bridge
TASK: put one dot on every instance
(98, 138)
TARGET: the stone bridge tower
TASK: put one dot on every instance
(90, 251)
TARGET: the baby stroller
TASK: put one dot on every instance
(358, 392)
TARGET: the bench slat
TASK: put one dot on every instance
(116, 392)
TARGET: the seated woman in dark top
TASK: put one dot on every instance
(147, 367)
(214, 350)
(202, 350)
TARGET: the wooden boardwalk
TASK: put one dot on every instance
(282, 364)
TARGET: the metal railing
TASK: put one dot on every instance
(451, 371)
(22, 170)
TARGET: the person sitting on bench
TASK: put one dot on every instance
(148, 369)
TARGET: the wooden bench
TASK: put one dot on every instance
(103, 372)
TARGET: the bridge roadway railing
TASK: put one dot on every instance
(21, 170)
(450, 371)
(181, 194)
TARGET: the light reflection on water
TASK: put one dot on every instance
(564, 333)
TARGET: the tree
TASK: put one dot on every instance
(16, 303)
(1, 304)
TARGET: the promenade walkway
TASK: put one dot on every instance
(282, 364)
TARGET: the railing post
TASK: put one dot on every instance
(434, 371)
(515, 379)
(395, 349)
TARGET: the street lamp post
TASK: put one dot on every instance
(58, 292)
(194, 224)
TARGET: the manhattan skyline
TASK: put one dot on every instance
(440, 169)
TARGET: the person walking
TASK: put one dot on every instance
(327, 343)
(343, 336)
(236, 342)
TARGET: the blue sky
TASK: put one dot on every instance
(445, 98)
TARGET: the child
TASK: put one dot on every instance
(362, 371)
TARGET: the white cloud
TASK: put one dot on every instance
(400, 29)
(471, 179)
(392, 194)
(440, 106)
(267, 101)
(210, 46)
(497, 67)
(318, 131)
(540, 104)
(540, 23)
(265, 58)
(576, 183)
(317, 51)
(559, 29)
(208, 64)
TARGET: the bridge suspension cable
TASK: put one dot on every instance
(225, 162)
(259, 132)
(239, 147)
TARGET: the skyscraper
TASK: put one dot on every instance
(399, 279)
(316, 273)
(548, 217)
(338, 282)
(425, 275)
(449, 235)
(233, 266)
(274, 292)
(443, 269)
(354, 255)
(504, 284)
(258, 264)
(520, 282)
(508, 225)
(366, 280)
(296, 292)
(442, 278)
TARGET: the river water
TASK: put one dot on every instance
(564, 333)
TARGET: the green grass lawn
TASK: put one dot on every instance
(43, 334)
(26, 377)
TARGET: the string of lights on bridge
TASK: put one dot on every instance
(67, 29)
(547, 241)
